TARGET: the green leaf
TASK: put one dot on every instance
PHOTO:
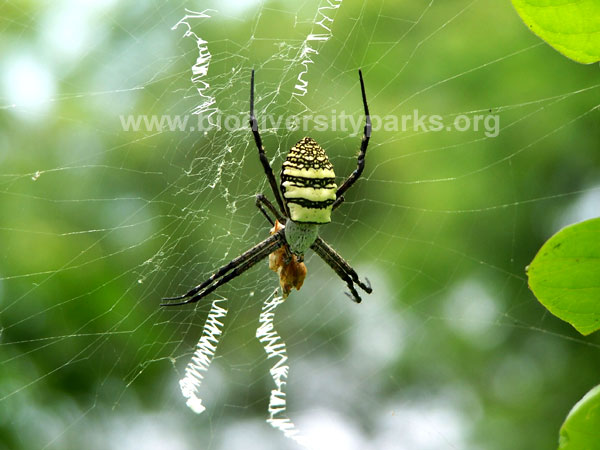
(570, 26)
(565, 275)
(581, 429)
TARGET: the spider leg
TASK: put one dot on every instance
(340, 273)
(341, 268)
(365, 286)
(260, 206)
(261, 151)
(231, 270)
(230, 276)
(363, 149)
(261, 202)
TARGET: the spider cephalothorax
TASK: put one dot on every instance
(306, 196)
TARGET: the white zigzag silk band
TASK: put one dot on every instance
(320, 34)
(200, 68)
(203, 356)
(275, 348)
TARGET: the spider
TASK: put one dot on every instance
(306, 197)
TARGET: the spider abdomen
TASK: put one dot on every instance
(308, 183)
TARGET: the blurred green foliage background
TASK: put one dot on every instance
(97, 224)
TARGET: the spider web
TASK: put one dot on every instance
(98, 223)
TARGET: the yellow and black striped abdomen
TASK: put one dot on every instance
(308, 183)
